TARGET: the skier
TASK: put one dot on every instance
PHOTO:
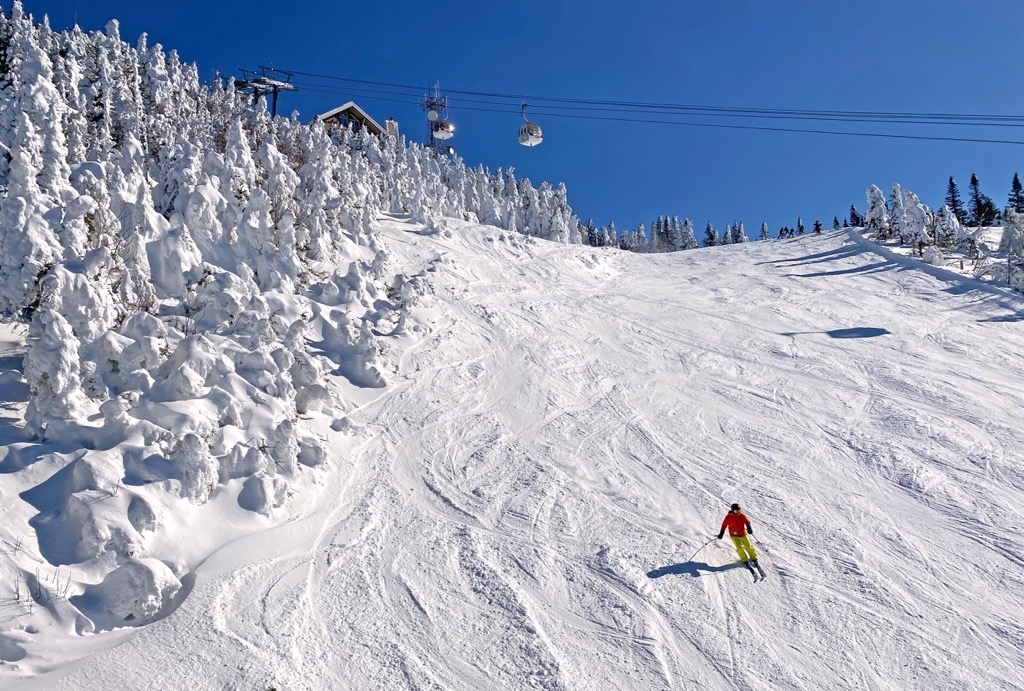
(739, 526)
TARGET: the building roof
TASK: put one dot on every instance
(359, 113)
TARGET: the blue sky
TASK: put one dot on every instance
(937, 56)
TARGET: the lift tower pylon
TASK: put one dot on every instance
(265, 82)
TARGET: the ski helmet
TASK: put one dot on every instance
(735, 507)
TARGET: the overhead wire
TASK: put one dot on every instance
(597, 110)
(548, 110)
(517, 98)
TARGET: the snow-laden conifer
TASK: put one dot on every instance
(919, 221)
(53, 360)
(1012, 243)
(876, 218)
(710, 235)
(29, 222)
(897, 214)
(948, 231)
(688, 238)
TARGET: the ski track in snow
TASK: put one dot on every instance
(522, 503)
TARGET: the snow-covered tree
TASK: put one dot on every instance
(919, 220)
(659, 241)
(876, 217)
(710, 235)
(897, 214)
(28, 222)
(687, 236)
(635, 240)
(53, 359)
(1012, 243)
(948, 231)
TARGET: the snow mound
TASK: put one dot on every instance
(137, 592)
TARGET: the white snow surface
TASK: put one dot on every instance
(524, 504)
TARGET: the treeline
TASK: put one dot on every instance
(980, 211)
(904, 219)
(669, 234)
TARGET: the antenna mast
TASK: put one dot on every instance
(436, 107)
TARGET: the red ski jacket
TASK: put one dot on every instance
(737, 524)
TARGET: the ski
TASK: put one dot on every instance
(756, 571)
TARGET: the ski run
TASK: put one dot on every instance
(563, 427)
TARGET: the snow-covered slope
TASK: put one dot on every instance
(522, 507)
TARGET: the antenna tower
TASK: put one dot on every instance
(436, 107)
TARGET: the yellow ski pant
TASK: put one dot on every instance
(743, 545)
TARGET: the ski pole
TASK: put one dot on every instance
(701, 547)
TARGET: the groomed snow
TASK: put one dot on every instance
(564, 428)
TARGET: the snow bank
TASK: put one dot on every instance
(139, 591)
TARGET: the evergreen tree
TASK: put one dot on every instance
(764, 230)
(1016, 200)
(898, 214)
(877, 215)
(1012, 243)
(856, 220)
(657, 236)
(799, 226)
(983, 210)
(669, 234)
(948, 231)
(919, 221)
(953, 200)
(610, 237)
(710, 235)
(835, 223)
(688, 238)
(642, 244)
(29, 242)
(634, 240)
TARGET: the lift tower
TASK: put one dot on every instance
(266, 81)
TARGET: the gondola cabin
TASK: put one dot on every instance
(530, 134)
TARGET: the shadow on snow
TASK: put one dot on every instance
(856, 332)
(694, 569)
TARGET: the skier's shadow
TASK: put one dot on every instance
(694, 569)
